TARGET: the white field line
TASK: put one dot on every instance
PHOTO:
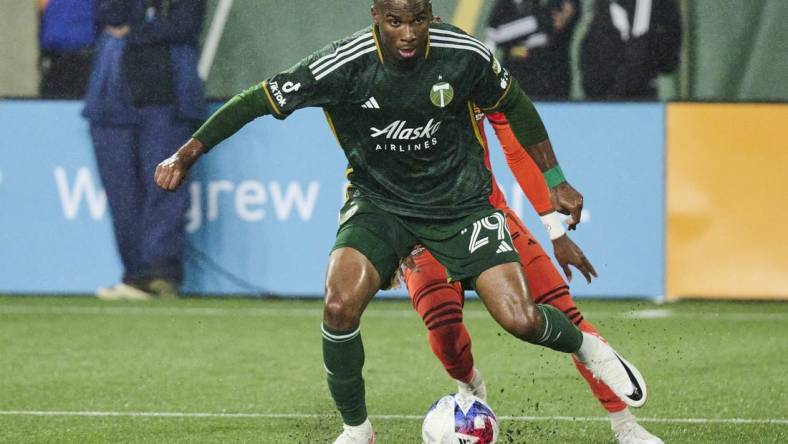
(152, 310)
(770, 421)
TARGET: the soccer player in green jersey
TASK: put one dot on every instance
(398, 96)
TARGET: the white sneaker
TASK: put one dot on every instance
(360, 434)
(474, 388)
(616, 372)
(123, 291)
(631, 432)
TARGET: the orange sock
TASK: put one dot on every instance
(439, 303)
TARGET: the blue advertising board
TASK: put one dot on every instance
(264, 203)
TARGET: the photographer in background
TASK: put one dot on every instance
(533, 37)
(628, 44)
(143, 99)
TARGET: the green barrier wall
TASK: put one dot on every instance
(735, 49)
(738, 50)
(263, 37)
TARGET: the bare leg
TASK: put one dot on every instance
(351, 282)
(504, 292)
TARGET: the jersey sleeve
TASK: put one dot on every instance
(306, 85)
(493, 85)
(523, 167)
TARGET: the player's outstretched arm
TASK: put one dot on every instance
(527, 126)
(226, 121)
(531, 181)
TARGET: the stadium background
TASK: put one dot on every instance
(685, 198)
(674, 200)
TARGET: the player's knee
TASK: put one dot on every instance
(339, 314)
(524, 323)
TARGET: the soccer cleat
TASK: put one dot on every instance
(616, 372)
(123, 291)
(475, 387)
(630, 432)
(360, 434)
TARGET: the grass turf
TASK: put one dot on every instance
(706, 361)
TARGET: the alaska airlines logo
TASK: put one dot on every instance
(423, 137)
(396, 130)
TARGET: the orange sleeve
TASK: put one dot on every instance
(525, 170)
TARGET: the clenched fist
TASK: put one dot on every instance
(171, 171)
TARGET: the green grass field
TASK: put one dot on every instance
(76, 370)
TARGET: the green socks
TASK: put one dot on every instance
(559, 332)
(343, 358)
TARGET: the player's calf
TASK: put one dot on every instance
(503, 290)
(440, 303)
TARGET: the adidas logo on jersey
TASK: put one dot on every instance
(503, 248)
(371, 104)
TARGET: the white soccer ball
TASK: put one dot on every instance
(459, 419)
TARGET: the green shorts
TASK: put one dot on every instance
(465, 246)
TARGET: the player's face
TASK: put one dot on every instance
(403, 25)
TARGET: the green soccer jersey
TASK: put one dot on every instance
(410, 135)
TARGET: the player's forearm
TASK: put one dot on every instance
(527, 126)
(190, 151)
(232, 116)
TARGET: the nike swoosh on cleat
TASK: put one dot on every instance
(637, 394)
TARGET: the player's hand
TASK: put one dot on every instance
(171, 172)
(567, 200)
(568, 253)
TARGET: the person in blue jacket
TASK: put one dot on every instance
(144, 96)
(67, 33)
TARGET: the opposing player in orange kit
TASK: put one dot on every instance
(440, 302)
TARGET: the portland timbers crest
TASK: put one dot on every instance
(441, 94)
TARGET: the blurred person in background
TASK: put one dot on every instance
(143, 99)
(628, 44)
(533, 37)
(66, 38)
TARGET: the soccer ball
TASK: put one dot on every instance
(459, 419)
